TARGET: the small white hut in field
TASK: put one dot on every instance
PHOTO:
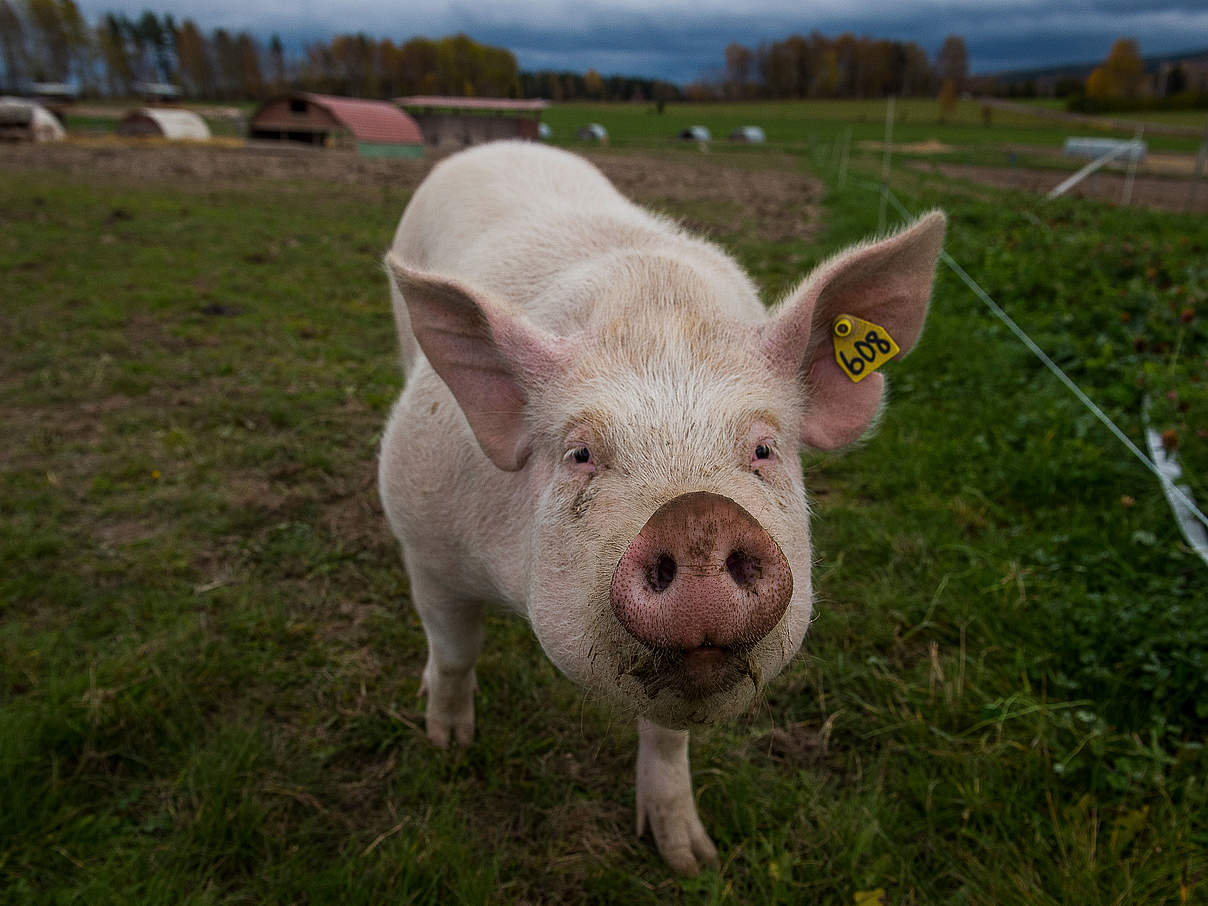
(593, 132)
(160, 122)
(751, 135)
(695, 134)
(28, 121)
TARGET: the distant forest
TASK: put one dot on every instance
(49, 41)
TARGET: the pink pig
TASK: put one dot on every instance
(600, 431)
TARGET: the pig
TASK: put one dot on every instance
(600, 430)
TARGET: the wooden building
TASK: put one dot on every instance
(453, 122)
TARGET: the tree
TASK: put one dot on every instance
(228, 66)
(1122, 74)
(947, 99)
(417, 67)
(1176, 80)
(12, 44)
(150, 45)
(51, 51)
(115, 55)
(738, 69)
(953, 62)
(193, 59)
(593, 85)
(276, 64)
(251, 82)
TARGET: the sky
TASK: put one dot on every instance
(683, 40)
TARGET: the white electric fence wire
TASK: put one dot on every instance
(1173, 492)
(1106, 158)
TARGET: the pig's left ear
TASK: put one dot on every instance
(887, 283)
(489, 356)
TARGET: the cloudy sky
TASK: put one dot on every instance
(684, 39)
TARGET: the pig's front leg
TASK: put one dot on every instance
(664, 788)
(454, 631)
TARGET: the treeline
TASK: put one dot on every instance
(1121, 83)
(49, 41)
(591, 86)
(844, 67)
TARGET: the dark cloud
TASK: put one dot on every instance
(684, 39)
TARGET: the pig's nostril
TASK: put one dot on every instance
(663, 574)
(744, 569)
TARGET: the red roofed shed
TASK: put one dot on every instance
(373, 128)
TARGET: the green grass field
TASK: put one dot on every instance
(804, 124)
(208, 664)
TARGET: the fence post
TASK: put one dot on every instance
(885, 164)
(843, 157)
(1199, 170)
(1132, 168)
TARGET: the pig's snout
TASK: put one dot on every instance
(702, 573)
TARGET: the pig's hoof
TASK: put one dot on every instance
(450, 713)
(678, 833)
(441, 732)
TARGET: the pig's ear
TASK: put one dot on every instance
(887, 283)
(489, 356)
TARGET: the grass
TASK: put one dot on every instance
(801, 125)
(208, 665)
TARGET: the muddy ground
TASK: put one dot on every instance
(780, 198)
(1159, 193)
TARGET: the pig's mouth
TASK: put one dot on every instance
(695, 674)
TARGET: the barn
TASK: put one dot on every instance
(28, 121)
(164, 122)
(372, 128)
(459, 122)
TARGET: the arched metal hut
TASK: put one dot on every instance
(372, 128)
(163, 122)
(23, 120)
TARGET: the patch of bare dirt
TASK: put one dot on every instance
(783, 202)
(1153, 192)
(930, 146)
(216, 164)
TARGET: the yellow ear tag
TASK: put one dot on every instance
(861, 347)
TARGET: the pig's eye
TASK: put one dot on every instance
(763, 451)
(580, 459)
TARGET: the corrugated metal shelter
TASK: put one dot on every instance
(373, 128)
(695, 134)
(459, 122)
(752, 135)
(28, 121)
(161, 122)
(592, 132)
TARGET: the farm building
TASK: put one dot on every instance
(695, 134)
(751, 135)
(372, 128)
(161, 122)
(459, 122)
(28, 121)
(157, 92)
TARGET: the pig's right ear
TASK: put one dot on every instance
(489, 356)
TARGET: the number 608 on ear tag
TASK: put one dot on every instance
(861, 347)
